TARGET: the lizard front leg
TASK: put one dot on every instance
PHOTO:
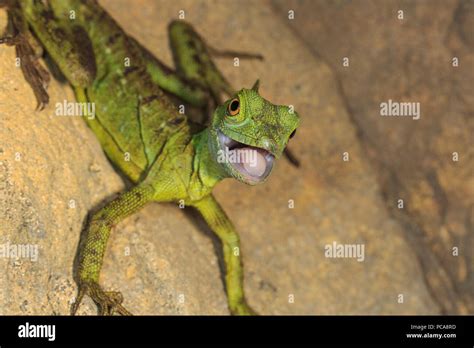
(217, 219)
(92, 254)
(28, 52)
(68, 45)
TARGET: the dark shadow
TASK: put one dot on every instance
(197, 220)
(53, 68)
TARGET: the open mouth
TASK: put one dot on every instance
(253, 163)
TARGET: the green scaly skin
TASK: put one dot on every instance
(143, 134)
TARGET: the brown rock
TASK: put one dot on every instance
(410, 60)
(161, 252)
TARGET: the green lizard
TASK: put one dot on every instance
(142, 132)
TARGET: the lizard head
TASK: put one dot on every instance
(248, 133)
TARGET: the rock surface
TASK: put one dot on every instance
(162, 255)
(426, 57)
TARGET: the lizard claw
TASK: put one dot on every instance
(9, 40)
(108, 302)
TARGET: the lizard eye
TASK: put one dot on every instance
(234, 107)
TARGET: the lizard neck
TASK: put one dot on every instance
(209, 171)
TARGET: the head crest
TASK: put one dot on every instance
(256, 85)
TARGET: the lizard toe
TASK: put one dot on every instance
(108, 302)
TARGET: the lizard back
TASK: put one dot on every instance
(133, 111)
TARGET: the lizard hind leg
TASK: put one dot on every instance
(192, 58)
